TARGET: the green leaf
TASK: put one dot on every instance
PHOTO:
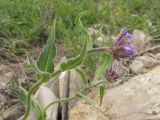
(106, 59)
(45, 61)
(91, 61)
(101, 92)
(83, 76)
(44, 76)
(33, 64)
(75, 61)
(84, 31)
(35, 106)
(98, 34)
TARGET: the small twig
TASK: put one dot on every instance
(149, 50)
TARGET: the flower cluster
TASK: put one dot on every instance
(112, 74)
(122, 48)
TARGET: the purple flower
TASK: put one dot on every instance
(122, 48)
(112, 74)
(129, 37)
(120, 39)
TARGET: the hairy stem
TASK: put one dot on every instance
(55, 73)
(75, 96)
(101, 49)
(36, 85)
(59, 101)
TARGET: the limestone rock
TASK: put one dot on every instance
(57, 84)
(45, 96)
(143, 64)
(76, 83)
(137, 99)
(53, 84)
(158, 56)
(140, 39)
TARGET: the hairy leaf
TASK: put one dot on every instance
(45, 61)
(83, 76)
(35, 106)
(75, 61)
(84, 31)
(106, 59)
(33, 64)
(44, 76)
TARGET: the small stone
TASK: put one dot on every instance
(143, 64)
(140, 39)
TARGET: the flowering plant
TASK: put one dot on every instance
(122, 48)
(44, 68)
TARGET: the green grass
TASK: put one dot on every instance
(24, 21)
(28, 22)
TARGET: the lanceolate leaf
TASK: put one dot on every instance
(98, 33)
(33, 64)
(75, 61)
(40, 75)
(106, 59)
(101, 92)
(45, 62)
(83, 76)
(84, 31)
(36, 108)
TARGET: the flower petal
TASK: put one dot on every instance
(124, 31)
(128, 47)
(129, 37)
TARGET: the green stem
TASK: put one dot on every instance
(36, 85)
(74, 96)
(59, 101)
(55, 73)
(101, 49)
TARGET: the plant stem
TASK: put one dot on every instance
(36, 85)
(74, 96)
(59, 101)
(55, 73)
(101, 49)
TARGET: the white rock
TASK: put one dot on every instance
(143, 64)
(140, 39)
(137, 99)
(45, 96)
